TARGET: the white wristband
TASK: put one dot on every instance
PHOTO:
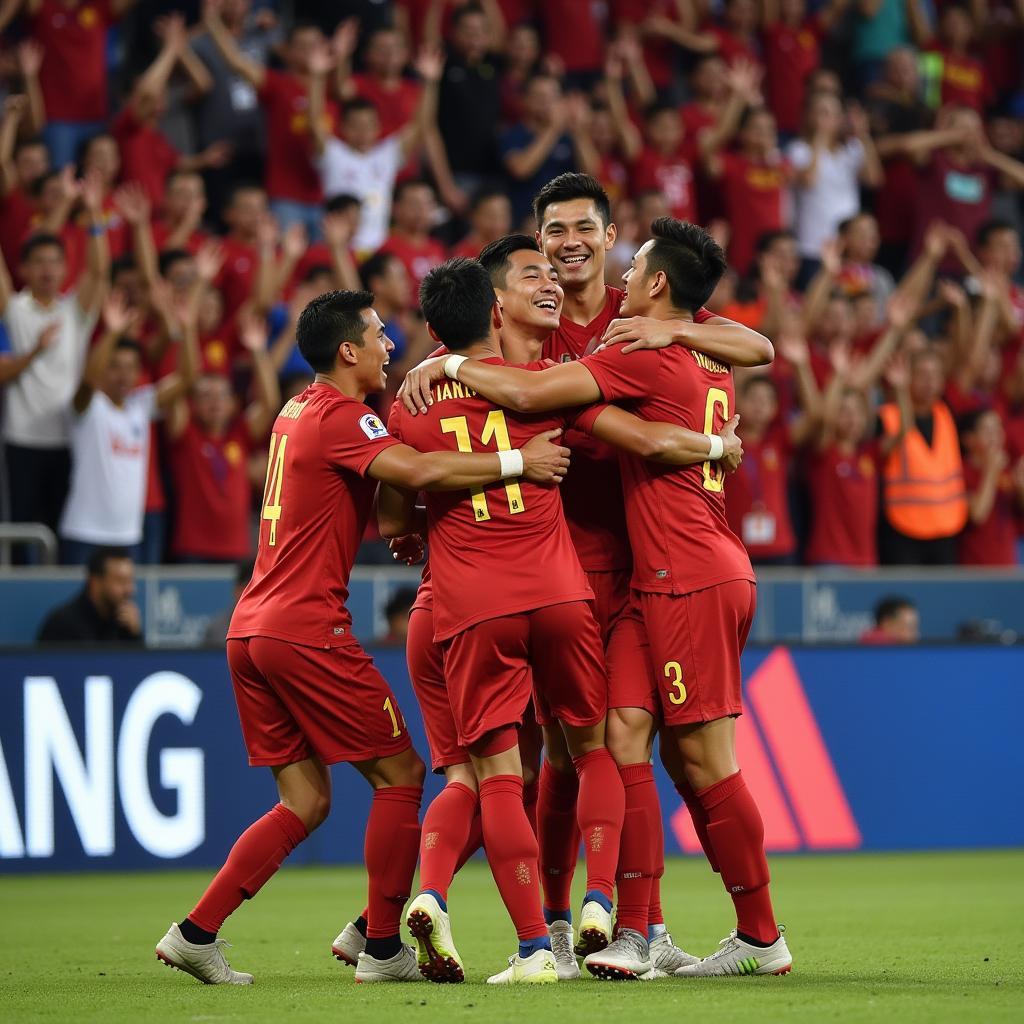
(511, 462)
(452, 364)
(717, 447)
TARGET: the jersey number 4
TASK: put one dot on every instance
(275, 479)
(496, 429)
(714, 477)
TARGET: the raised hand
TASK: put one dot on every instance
(294, 243)
(132, 203)
(832, 256)
(209, 260)
(792, 345)
(92, 193)
(545, 462)
(430, 64)
(252, 331)
(415, 390)
(337, 229)
(897, 373)
(952, 294)
(321, 60)
(171, 30)
(217, 154)
(16, 107)
(744, 79)
(901, 312)
(343, 42)
(268, 232)
(117, 316)
(30, 58)
(936, 240)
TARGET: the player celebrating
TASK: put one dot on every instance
(307, 695)
(691, 575)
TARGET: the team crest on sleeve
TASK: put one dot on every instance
(372, 427)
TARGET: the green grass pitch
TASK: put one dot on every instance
(906, 938)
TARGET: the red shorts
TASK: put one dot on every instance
(295, 702)
(627, 656)
(696, 641)
(426, 670)
(488, 670)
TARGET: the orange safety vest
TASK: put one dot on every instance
(925, 496)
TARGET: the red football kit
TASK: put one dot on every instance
(845, 489)
(302, 682)
(791, 54)
(672, 175)
(754, 195)
(691, 574)
(492, 621)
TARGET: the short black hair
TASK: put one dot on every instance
(126, 344)
(569, 186)
(768, 238)
(316, 270)
(23, 144)
(303, 25)
(341, 203)
(326, 322)
(991, 227)
(968, 423)
(35, 188)
(456, 299)
(374, 267)
(484, 195)
(96, 566)
(400, 601)
(121, 265)
(246, 185)
(690, 258)
(356, 104)
(465, 11)
(403, 186)
(495, 256)
(40, 241)
(169, 257)
(890, 606)
(749, 383)
(660, 107)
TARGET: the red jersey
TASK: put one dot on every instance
(732, 48)
(291, 173)
(315, 506)
(469, 248)
(676, 514)
(146, 155)
(845, 500)
(73, 77)
(964, 80)
(659, 53)
(504, 548)
(395, 107)
(162, 231)
(213, 492)
(574, 31)
(671, 175)
(419, 258)
(758, 498)
(754, 195)
(16, 212)
(791, 54)
(994, 541)
(236, 277)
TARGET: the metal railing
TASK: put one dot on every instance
(28, 533)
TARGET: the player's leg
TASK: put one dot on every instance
(274, 738)
(701, 690)
(531, 746)
(568, 665)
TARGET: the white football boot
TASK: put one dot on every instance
(401, 967)
(667, 958)
(560, 934)
(537, 969)
(626, 959)
(204, 961)
(348, 945)
(595, 928)
(436, 954)
(736, 957)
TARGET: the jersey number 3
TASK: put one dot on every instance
(275, 479)
(714, 476)
(495, 428)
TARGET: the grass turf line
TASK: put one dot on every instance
(907, 937)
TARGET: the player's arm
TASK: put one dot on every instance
(667, 442)
(397, 513)
(558, 387)
(539, 460)
(255, 74)
(717, 336)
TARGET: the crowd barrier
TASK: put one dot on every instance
(794, 605)
(134, 760)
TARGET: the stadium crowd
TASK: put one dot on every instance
(176, 184)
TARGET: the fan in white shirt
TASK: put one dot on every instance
(360, 163)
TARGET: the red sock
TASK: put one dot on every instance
(558, 834)
(446, 828)
(655, 915)
(531, 791)
(736, 832)
(512, 853)
(392, 843)
(600, 809)
(637, 857)
(258, 852)
(700, 820)
(474, 841)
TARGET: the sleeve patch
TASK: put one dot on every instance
(372, 427)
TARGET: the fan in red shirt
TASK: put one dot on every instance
(964, 80)
(666, 161)
(753, 182)
(292, 180)
(413, 215)
(693, 579)
(209, 448)
(244, 215)
(21, 164)
(995, 493)
(490, 218)
(306, 692)
(792, 52)
(181, 213)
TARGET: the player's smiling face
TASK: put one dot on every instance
(575, 240)
(375, 353)
(531, 296)
(637, 300)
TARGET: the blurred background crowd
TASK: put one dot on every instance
(177, 182)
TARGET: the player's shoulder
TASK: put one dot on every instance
(613, 299)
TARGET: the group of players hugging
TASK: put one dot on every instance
(581, 611)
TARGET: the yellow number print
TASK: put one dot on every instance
(496, 429)
(396, 729)
(674, 674)
(713, 475)
(275, 479)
